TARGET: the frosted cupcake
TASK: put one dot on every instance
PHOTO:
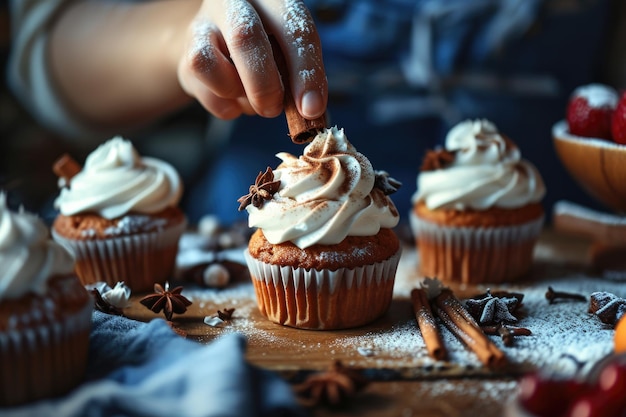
(324, 255)
(477, 211)
(119, 216)
(45, 313)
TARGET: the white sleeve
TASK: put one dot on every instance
(28, 74)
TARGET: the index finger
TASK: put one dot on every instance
(251, 53)
(294, 29)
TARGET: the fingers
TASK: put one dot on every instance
(207, 59)
(292, 25)
(229, 66)
(251, 53)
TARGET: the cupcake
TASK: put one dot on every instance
(45, 313)
(323, 255)
(119, 216)
(477, 211)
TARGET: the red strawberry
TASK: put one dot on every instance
(618, 127)
(590, 110)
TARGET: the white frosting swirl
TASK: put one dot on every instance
(28, 257)
(116, 180)
(324, 195)
(487, 171)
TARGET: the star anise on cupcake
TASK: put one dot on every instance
(330, 387)
(264, 188)
(385, 183)
(170, 301)
(437, 159)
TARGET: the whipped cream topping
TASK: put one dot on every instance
(116, 180)
(487, 171)
(324, 196)
(598, 95)
(28, 257)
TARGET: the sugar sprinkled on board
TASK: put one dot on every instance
(564, 335)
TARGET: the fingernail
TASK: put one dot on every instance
(271, 111)
(312, 104)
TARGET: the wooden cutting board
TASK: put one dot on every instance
(391, 348)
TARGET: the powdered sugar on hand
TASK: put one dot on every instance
(202, 31)
(242, 22)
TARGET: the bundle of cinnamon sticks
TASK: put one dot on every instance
(458, 320)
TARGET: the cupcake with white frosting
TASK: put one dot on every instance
(324, 255)
(45, 313)
(477, 211)
(120, 218)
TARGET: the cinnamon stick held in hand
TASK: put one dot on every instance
(301, 130)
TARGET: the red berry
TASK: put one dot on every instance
(590, 111)
(618, 127)
(597, 405)
(612, 380)
(547, 397)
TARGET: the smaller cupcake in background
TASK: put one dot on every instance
(45, 313)
(120, 218)
(324, 255)
(477, 211)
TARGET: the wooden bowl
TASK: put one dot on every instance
(598, 165)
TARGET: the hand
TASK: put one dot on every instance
(228, 66)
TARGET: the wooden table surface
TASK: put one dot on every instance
(405, 381)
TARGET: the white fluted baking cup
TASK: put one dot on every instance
(323, 299)
(139, 260)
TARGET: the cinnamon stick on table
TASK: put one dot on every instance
(427, 325)
(301, 130)
(465, 328)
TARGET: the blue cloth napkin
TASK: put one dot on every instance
(144, 369)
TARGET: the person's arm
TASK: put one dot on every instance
(123, 64)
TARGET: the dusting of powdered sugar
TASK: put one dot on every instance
(135, 224)
(298, 27)
(565, 337)
(307, 75)
(598, 95)
(202, 32)
(242, 21)
(241, 17)
(296, 18)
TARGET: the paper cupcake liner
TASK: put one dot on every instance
(475, 254)
(44, 361)
(323, 299)
(139, 260)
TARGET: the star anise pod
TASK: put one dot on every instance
(490, 309)
(170, 301)
(607, 306)
(104, 306)
(385, 183)
(330, 387)
(225, 315)
(437, 159)
(264, 188)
